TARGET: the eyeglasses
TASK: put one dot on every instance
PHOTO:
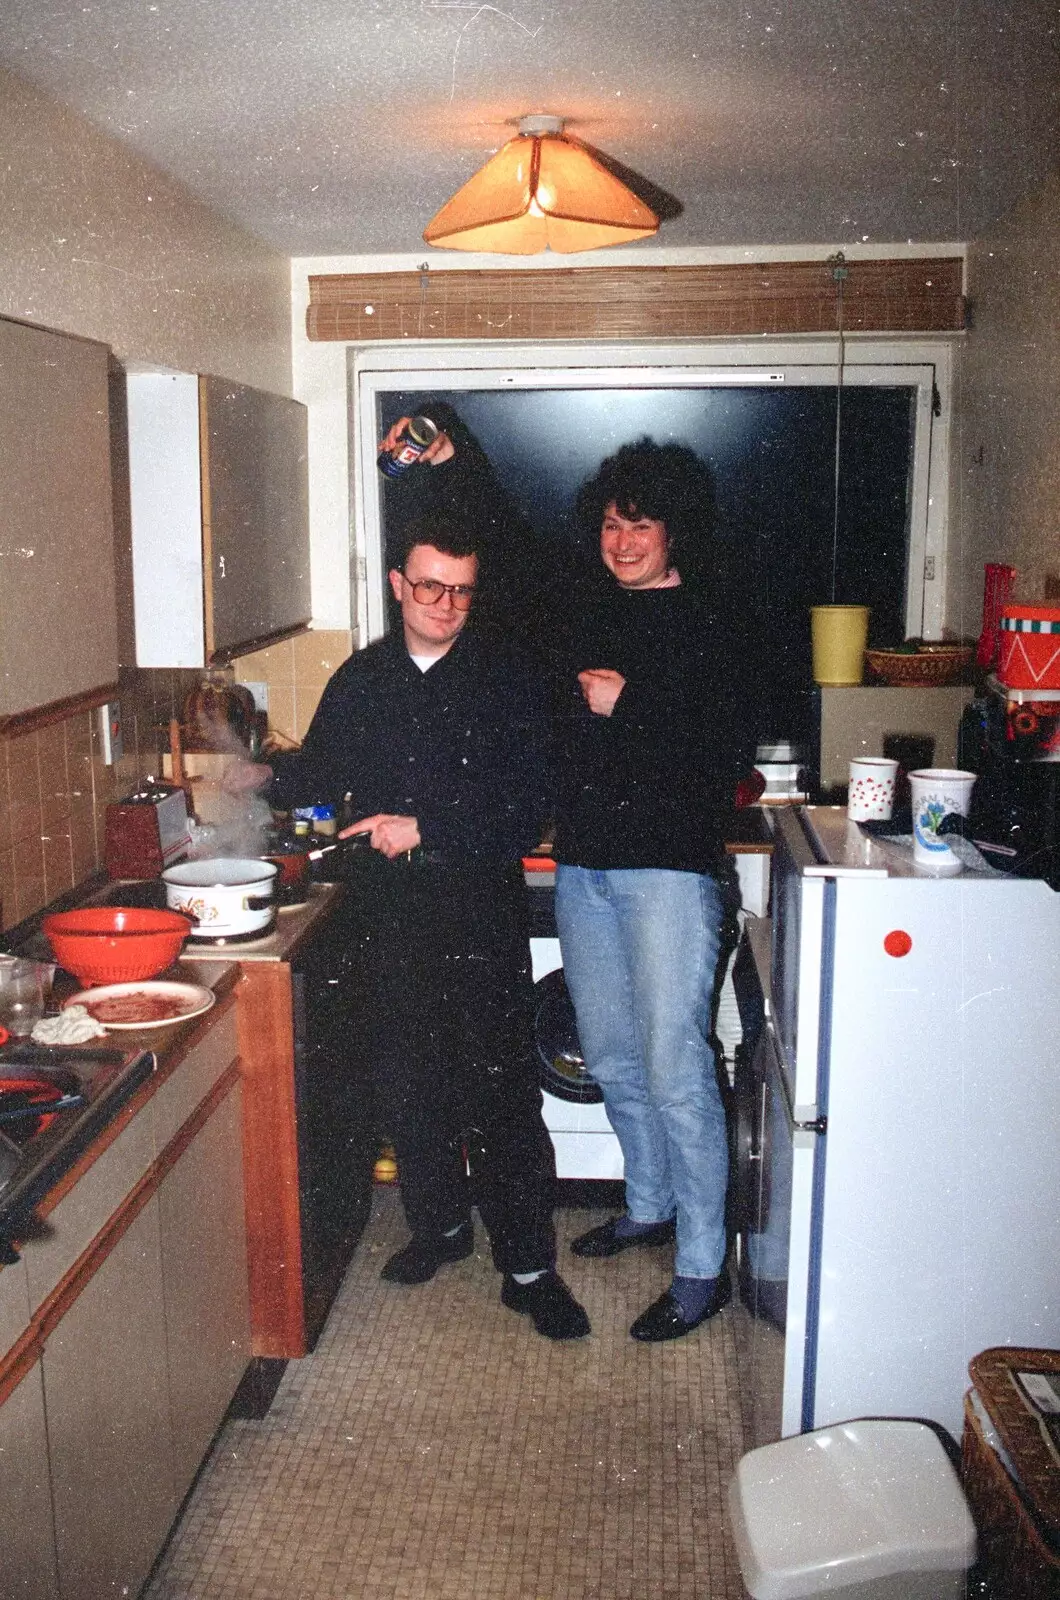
(428, 592)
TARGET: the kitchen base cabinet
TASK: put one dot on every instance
(308, 1142)
(27, 1538)
(126, 1328)
(204, 1273)
(110, 1438)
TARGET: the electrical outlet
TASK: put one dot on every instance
(260, 691)
(110, 732)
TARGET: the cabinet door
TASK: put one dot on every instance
(255, 514)
(109, 1431)
(56, 528)
(204, 1255)
(27, 1532)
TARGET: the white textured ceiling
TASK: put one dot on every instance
(340, 126)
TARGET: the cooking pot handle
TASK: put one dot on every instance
(257, 902)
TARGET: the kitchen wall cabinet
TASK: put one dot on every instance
(56, 527)
(219, 489)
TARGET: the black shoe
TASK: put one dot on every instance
(556, 1313)
(422, 1257)
(664, 1320)
(604, 1241)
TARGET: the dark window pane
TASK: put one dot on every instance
(778, 541)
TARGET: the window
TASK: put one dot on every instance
(546, 416)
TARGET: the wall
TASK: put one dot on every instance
(1007, 447)
(94, 242)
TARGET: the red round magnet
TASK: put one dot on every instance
(897, 942)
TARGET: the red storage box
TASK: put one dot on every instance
(1029, 647)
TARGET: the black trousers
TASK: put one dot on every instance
(444, 954)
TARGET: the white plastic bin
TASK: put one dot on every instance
(868, 1510)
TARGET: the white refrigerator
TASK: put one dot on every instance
(901, 1180)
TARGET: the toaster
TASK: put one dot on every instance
(146, 831)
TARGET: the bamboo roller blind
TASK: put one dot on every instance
(789, 297)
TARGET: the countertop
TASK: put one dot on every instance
(114, 1075)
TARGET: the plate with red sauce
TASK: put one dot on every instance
(151, 1004)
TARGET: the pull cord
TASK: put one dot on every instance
(838, 264)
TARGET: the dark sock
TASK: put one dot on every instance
(626, 1228)
(692, 1295)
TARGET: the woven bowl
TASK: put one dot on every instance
(929, 668)
(115, 944)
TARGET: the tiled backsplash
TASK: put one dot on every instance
(296, 672)
(55, 786)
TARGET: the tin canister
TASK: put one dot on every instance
(1029, 647)
(415, 436)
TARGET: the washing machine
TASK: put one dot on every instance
(573, 1107)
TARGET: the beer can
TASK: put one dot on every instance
(413, 440)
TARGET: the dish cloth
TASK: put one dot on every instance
(72, 1026)
(965, 851)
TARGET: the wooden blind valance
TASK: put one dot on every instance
(788, 297)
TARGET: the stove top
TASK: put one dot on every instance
(94, 1083)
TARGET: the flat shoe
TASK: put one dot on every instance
(555, 1312)
(605, 1241)
(421, 1257)
(664, 1320)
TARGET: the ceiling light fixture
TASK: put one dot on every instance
(540, 191)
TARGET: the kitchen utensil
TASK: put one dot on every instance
(113, 944)
(838, 635)
(226, 897)
(871, 794)
(21, 995)
(931, 666)
(146, 831)
(937, 792)
(353, 844)
(29, 1104)
(1029, 647)
(115, 1004)
(997, 588)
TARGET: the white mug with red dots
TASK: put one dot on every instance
(870, 797)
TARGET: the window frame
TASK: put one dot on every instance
(925, 365)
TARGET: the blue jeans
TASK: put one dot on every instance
(640, 951)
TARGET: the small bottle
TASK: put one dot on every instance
(415, 436)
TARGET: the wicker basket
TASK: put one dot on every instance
(931, 668)
(1019, 1552)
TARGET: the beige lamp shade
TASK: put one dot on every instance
(540, 191)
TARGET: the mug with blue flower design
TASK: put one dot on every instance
(937, 793)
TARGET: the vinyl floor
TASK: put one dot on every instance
(433, 1447)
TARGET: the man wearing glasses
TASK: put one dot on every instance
(439, 737)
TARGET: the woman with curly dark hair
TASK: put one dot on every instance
(658, 729)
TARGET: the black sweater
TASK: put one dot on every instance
(653, 784)
(462, 747)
